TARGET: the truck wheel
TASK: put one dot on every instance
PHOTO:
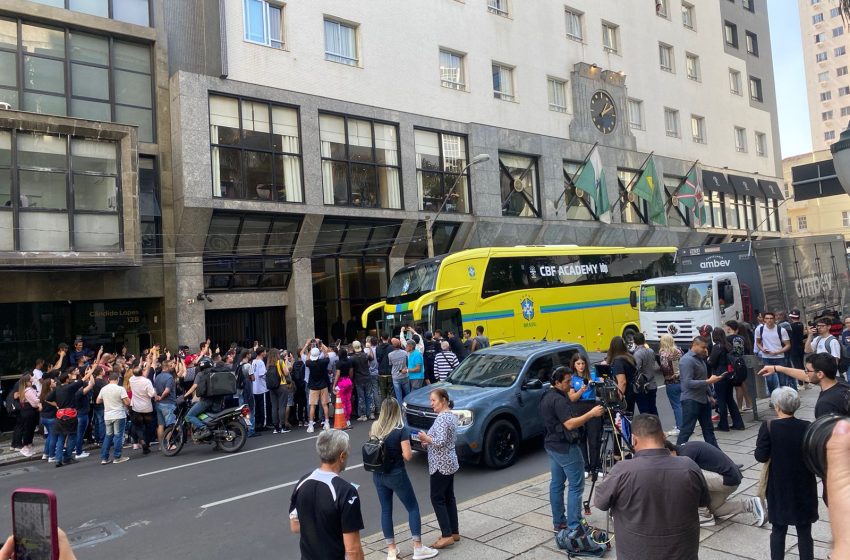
(501, 445)
(629, 336)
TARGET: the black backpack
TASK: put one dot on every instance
(374, 455)
(737, 367)
(272, 378)
(13, 405)
(298, 376)
(220, 382)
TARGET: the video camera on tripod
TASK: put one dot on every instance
(605, 388)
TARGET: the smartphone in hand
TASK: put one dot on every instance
(34, 524)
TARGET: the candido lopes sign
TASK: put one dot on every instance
(570, 269)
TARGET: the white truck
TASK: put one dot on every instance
(716, 283)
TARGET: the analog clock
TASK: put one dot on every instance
(603, 112)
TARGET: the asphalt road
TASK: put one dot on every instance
(213, 505)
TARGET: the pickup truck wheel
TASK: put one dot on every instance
(501, 445)
(629, 337)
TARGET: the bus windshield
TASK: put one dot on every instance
(411, 282)
(487, 370)
(684, 296)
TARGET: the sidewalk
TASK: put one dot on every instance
(515, 522)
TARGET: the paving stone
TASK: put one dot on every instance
(523, 539)
(474, 524)
(472, 550)
(745, 541)
(510, 506)
(534, 519)
(499, 532)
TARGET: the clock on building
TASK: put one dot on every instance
(603, 112)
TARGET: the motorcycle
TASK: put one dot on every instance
(228, 430)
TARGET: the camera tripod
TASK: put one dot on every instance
(614, 447)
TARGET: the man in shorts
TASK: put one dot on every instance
(317, 384)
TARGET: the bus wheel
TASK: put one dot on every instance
(501, 445)
(629, 336)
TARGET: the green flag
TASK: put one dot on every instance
(591, 180)
(650, 188)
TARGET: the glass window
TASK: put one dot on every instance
(45, 41)
(503, 82)
(132, 88)
(91, 110)
(93, 7)
(752, 43)
(688, 15)
(740, 139)
(131, 11)
(44, 103)
(8, 34)
(518, 178)
(439, 159)
(735, 82)
(610, 37)
(89, 48)
(132, 56)
(665, 57)
(90, 81)
(263, 23)
(636, 114)
(557, 94)
(340, 42)
(578, 207)
(671, 122)
(730, 34)
(452, 72)
(8, 71)
(755, 89)
(678, 214)
(698, 129)
(574, 24)
(692, 66)
(44, 74)
(499, 7)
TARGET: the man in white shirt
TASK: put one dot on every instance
(261, 391)
(115, 402)
(37, 374)
(823, 342)
(773, 342)
(144, 419)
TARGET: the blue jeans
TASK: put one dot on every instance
(397, 482)
(50, 439)
(402, 389)
(98, 425)
(365, 402)
(64, 447)
(693, 412)
(165, 414)
(566, 468)
(197, 409)
(674, 395)
(113, 437)
(82, 424)
(774, 381)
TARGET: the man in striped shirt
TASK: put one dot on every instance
(444, 361)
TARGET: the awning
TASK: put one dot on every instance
(745, 186)
(771, 189)
(715, 181)
(814, 180)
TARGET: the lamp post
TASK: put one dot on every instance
(841, 159)
(429, 221)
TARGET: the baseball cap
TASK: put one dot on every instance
(314, 354)
(795, 314)
(356, 345)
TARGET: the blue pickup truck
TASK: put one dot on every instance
(496, 394)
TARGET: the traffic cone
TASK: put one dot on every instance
(339, 414)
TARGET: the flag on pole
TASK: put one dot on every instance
(650, 188)
(691, 195)
(591, 179)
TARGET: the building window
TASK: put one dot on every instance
(787, 223)
(730, 33)
(841, 71)
(823, 76)
(821, 57)
(698, 129)
(661, 8)
(802, 224)
(755, 89)
(825, 95)
(740, 139)
(752, 43)
(264, 23)
(557, 90)
(130, 11)
(820, 38)
(452, 70)
(845, 219)
(610, 37)
(574, 24)
(761, 144)
(845, 111)
(256, 150)
(692, 66)
(576, 207)
(735, 81)
(817, 18)
(829, 135)
(665, 57)
(150, 211)
(833, 12)
(61, 193)
(844, 90)
(503, 82)
(749, 5)
(826, 116)
(837, 31)
(636, 114)
(671, 122)
(78, 74)
(840, 51)
(518, 177)
(688, 19)
(440, 158)
(360, 162)
(499, 7)
(341, 42)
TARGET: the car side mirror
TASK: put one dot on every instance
(532, 384)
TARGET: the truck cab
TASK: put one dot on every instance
(679, 305)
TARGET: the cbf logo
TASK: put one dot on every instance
(527, 308)
(471, 271)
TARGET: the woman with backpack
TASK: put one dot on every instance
(623, 369)
(279, 384)
(720, 363)
(669, 355)
(738, 335)
(27, 420)
(389, 428)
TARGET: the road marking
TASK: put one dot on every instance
(264, 490)
(240, 454)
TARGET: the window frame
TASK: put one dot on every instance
(268, 41)
(675, 118)
(111, 12)
(692, 61)
(534, 169)
(845, 218)
(689, 21)
(662, 9)
(802, 223)
(752, 41)
(749, 5)
(735, 86)
(552, 84)
(740, 135)
(448, 84)
(641, 122)
(698, 133)
(761, 143)
(756, 91)
(665, 48)
(499, 94)
(579, 16)
(340, 58)
(501, 8)
(610, 34)
(730, 31)
(445, 173)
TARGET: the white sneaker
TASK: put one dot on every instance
(706, 521)
(423, 552)
(43, 456)
(326, 426)
(51, 460)
(600, 475)
(26, 451)
(757, 511)
(673, 432)
(392, 554)
(310, 428)
(82, 455)
(586, 475)
(361, 419)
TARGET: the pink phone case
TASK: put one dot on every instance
(54, 526)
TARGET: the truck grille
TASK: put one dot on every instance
(681, 331)
(420, 418)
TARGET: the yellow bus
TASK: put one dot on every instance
(552, 292)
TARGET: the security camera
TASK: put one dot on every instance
(209, 299)
(202, 296)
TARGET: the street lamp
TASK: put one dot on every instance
(429, 221)
(841, 159)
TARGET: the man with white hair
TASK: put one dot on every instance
(445, 361)
(325, 509)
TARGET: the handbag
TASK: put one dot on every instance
(66, 413)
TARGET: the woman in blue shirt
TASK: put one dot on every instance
(583, 395)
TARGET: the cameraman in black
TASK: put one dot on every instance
(562, 421)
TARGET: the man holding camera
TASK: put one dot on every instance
(562, 443)
(821, 369)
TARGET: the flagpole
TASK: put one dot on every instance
(682, 182)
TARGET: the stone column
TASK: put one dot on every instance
(191, 318)
(299, 313)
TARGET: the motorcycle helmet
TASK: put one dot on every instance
(204, 363)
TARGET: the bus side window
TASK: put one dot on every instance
(449, 320)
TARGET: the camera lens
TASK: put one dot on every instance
(814, 442)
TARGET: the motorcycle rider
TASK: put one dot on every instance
(205, 403)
